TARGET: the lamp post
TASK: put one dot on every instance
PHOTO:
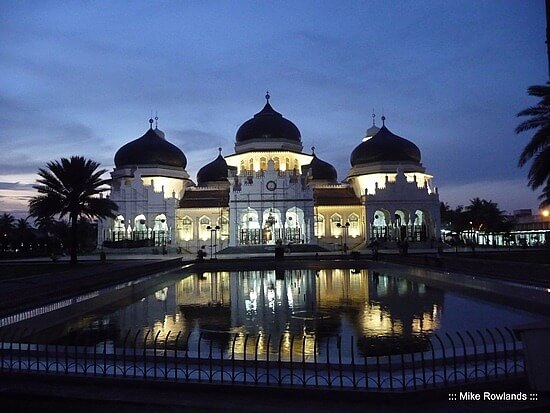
(344, 228)
(213, 230)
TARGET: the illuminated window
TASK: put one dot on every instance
(251, 164)
(263, 164)
(334, 221)
(319, 226)
(204, 232)
(187, 228)
(276, 163)
(223, 223)
(243, 167)
(354, 229)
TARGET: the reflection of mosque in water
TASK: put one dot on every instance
(388, 311)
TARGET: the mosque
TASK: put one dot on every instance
(268, 192)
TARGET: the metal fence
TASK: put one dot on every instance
(449, 360)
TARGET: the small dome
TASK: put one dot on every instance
(322, 171)
(150, 149)
(373, 130)
(215, 171)
(268, 125)
(385, 147)
(160, 133)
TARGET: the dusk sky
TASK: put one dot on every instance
(82, 78)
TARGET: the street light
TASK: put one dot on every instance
(215, 231)
(344, 228)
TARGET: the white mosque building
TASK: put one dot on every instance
(270, 191)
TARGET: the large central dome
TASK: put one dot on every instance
(385, 147)
(268, 125)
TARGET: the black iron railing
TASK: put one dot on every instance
(449, 360)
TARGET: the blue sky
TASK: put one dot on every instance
(83, 77)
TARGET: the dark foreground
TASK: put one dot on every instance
(33, 393)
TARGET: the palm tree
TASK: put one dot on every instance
(6, 229)
(70, 187)
(538, 148)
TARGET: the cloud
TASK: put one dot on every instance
(14, 185)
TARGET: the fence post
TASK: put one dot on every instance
(353, 362)
(494, 351)
(145, 354)
(155, 354)
(475, 353)
(465, 355)
(484, 353)
(454, 356)
(443, 358)
(135, 346)
(124, 371)
(505, 352)
(256, 359)
(176, 355)
(267, 358)
(166, 354)
(514, 350)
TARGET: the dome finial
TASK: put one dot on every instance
(313, 150)
(383, 120)
(373, 117)
(267, 96)
(151, 122)
(219, 150)
(156, 120)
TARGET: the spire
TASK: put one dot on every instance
(219, 151)
(383, 120)
(151, 123)
(156, 120)
(313, 150)
(373, 117)
(267, 96)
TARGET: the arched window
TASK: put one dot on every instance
(334, 221)
(119, 229)
(140, 227)
(187, 228)
(251, 164)
(243, 167)
(204, 232)
(287, 164)
(263, 164)
(354, 229)
(223, 223)
(319, 226)
(276, 163)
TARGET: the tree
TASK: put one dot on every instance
(7, 223)
(485, 216)
(23, 234)
(70, 187)
(538, 148)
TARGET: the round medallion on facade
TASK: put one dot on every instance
(271, 185)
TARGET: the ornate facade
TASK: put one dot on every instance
(269, 191)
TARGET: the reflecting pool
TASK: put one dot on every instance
(267, 311)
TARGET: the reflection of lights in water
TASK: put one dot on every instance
(251, 303)
(271, 298)
(379, 322)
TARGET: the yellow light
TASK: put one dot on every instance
(546, 213)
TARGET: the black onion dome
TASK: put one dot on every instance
(385, 147)
(213, 172)
(269, 125)
(321, 170)
(150, 149)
